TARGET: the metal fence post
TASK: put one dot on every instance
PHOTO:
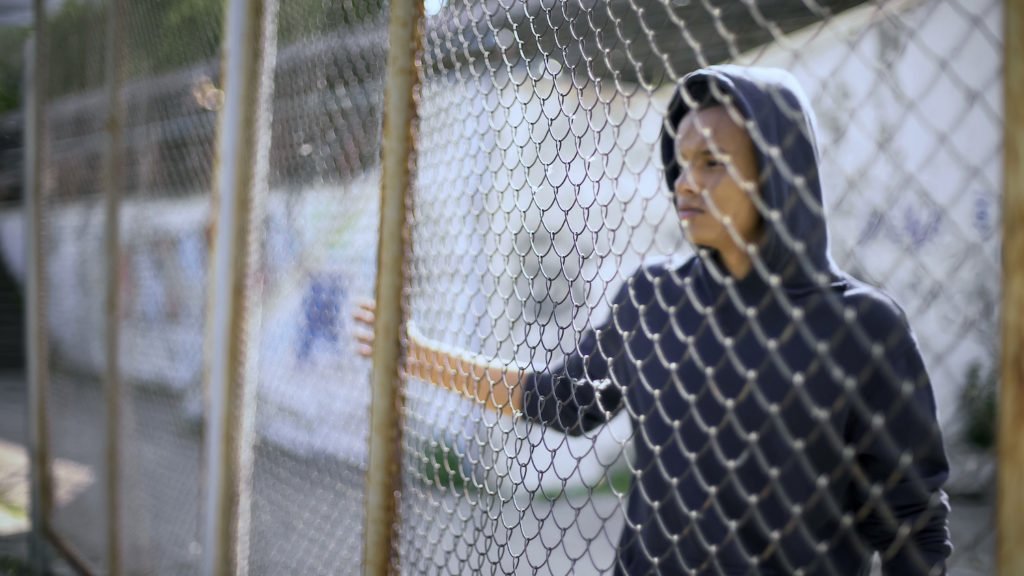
(385, 417)
(1010, 501)
(35, 301)
(114, 181)
(243, 144)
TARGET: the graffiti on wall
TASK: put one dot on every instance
(914, 226)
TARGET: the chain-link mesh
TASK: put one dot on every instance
(319, 244)
(170, 103)
(742, 408)
(631, 346)
(72, 243)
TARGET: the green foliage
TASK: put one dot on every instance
(166, 35)
(11, 566)
(12, 60)
(616, 480)
(172, 35)
(300, 19)
(75, 48)
(441, 467)
(979, 402)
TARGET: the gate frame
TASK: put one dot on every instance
(1010, 455)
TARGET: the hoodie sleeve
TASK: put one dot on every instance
(583, 391)
(898, 501)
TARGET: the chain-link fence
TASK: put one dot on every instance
(321, 219)
(161, 170)
(75, 397)
(657, 315)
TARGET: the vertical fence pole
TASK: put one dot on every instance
(243, 146)
(1010, 501)
(35, 302)
(382, 480)
(114, 181)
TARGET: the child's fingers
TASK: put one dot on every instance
(364, 317)
(363, 337)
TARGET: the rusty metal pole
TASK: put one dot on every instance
(242, 167)
(1010, 501)
(114, 174)
(35, 282)
(382, 480)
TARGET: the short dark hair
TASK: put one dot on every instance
(699, 95)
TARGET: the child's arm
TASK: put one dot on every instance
(492, 383)
(495, 384)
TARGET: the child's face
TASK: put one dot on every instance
(717, 180)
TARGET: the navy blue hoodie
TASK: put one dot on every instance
(783, 422)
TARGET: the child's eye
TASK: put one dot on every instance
(714, 163)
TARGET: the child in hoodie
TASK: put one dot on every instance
(784, 422)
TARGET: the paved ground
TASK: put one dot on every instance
(307, 510)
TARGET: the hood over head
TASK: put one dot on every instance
(781, 124)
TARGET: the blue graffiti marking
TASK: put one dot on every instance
(872, 227)
(321, 319)
(917, 227)
(984, 215)
(920, 226)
